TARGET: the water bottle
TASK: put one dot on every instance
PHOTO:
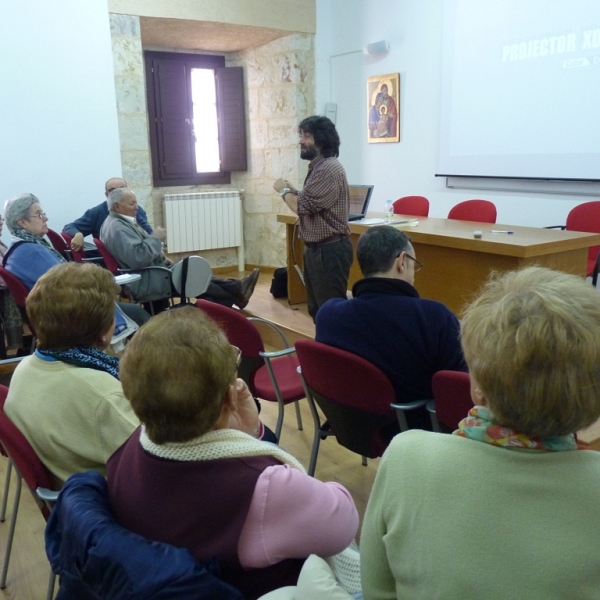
(389, 211)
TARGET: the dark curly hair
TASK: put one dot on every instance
(323, 131)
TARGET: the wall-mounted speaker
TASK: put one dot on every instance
(380, 47)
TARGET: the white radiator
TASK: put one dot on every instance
(205, 221)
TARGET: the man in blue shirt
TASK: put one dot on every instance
(91, 222)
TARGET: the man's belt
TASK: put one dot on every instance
(336, 237)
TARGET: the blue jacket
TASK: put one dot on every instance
(96, 558)
(29, 262)
(92, 220)
(386, 323)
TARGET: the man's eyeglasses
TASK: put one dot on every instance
(38, 215)
(418, 264)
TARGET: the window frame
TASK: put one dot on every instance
(230, 116)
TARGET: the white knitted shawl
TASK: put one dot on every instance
(216, 444)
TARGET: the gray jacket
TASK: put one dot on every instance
(134, 249)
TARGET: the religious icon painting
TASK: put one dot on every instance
(383, 108)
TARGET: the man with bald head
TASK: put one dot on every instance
(135, 249)
(91, 222)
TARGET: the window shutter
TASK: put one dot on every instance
(174, 128)
(232, 121)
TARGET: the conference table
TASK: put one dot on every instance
(455, 262)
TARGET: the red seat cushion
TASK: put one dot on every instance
(287, 377)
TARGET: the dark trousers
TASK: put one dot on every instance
(326, 272)
(223, 291)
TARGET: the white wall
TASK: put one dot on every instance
(58, 116)
(414, 30)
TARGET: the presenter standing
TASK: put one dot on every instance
(322, 207)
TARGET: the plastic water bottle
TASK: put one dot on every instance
(389, 211)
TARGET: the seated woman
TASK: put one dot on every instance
(66, 398)
(511, 501)
(194, 475)
(29, 255)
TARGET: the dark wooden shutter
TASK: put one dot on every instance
(232, 121)
(174, 129)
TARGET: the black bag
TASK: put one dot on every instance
(279, 283)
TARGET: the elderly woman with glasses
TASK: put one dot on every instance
(66, 398)
(195, 476)
(511, 501)
(30, 255)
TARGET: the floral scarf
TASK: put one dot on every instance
(478, 425)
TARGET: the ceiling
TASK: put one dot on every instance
(204, 35)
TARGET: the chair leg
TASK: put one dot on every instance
(51, 582)
(402, 420)
(364, 461)
(298, 415)
(312, 465)
(6, 488)
(11, 533)
(279, 425)
(435, 424)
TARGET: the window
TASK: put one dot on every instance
(196, 118)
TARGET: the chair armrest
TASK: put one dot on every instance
(274, 327)
(430, 406)
(278, 353)
(556, 227)
(409, 405)
(47, 495)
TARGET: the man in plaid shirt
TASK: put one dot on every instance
(322, 207)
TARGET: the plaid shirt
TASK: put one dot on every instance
(324, 203)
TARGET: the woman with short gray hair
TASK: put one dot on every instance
(17, 208)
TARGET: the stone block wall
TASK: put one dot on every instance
(280, 92)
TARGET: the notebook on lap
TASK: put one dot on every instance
(360, 196)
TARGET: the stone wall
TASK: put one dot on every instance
(280, 92)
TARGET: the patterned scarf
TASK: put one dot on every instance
(90, 358)
(478, 425)
(27, 236)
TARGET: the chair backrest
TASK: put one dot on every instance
(97, 558)
(58, 242)
(15, 286)
(240, 332)
(412, 205)
(78, 255)
(483, 211)
(24, 458)
(197, 276)
(586, 217)
(109, 260)
(452, 395)
(354, 395)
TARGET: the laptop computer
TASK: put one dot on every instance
(360, 196)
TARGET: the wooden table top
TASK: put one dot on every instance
(525, 242)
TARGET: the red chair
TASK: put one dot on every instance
(109, 260)
(78, 255)
(19, 292)
(357, 399)
(482, 211)
(586, 217)
(59, 244)
(3, 394)
(37, 478)
(451, 399)
(412, 205)
(271, 376)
